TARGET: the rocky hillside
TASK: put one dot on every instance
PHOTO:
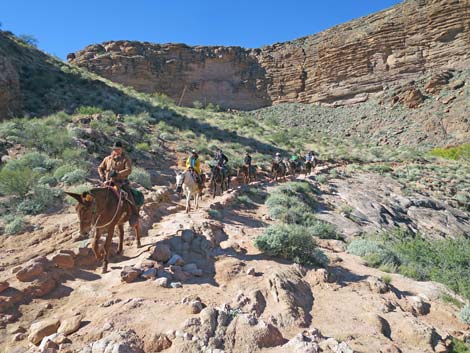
(346, 63)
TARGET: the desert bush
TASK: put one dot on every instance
(464, 314)
(141, 177)
(323, 230)
(47, 180)
(16, 182)
(291, 242)
(215, 214)
(76, 176)
(41, 198)
(387, 279)
(15, 225)
(33, 160)
(198, 105)
(446, 261)
(142, 147)
(459, 346)
(322, 179)
(87, 110)
(61, 171)
(455, 152)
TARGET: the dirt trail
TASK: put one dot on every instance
(345, 300)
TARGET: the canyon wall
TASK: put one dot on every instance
(346, 62)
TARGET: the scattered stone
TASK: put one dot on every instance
(159, 343)
(129, 274)
(116, 342)
(151, 273)
(377, 285)
(16, 329)
(187, 235)
(41, 329)
(41, 286)
(30, 271)
(70, 325)
(176, 285)
(251, 271)
(380, 324)
(3, 286)
(161, 253)
(195, 307)
(457, 84)
(176, 260)
(18, 337)
(447, 100)
(64, 261)
(190, 268)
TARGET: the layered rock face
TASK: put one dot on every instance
(346, 62)
(9, 89)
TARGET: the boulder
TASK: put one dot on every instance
(64, 261)
(41, 329)
(158, 343)
(151, 273)
(30, 271)
(116, 342)
(195, 307)
(377, 285)
(176, 260)
(187, 235)
(245, 335)
(3, 286)
(129, 274)
(41, 286)
(161, 253)
(70, 325)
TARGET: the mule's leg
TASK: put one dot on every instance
(95, 245)
(107, 248)
(188, 199)
(121, 239)
(196, 199)
(137, 234)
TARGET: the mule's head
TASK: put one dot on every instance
(179, 181)
(84, 210)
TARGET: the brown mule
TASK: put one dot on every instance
(104, 208)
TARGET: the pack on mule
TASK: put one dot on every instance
(101, 209)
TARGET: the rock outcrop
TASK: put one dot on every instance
(9, 89)
(344, 63)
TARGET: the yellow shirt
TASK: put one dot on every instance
(197, 165)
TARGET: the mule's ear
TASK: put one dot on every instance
(77, 197)
(87, 197)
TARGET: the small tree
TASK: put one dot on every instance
(29, 39)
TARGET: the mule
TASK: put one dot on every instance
(218, 179)
(247, 177)
(101, 209)
(186, 182)
(278, 170)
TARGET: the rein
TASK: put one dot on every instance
(119, 205)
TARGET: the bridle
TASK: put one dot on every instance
(95, 209)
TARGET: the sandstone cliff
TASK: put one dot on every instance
(346, 62)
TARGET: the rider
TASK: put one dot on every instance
(115, 169)
(193, 164)
(310, 157)
(247, 163)
(221, 160)
(277, 158)
(295, 158)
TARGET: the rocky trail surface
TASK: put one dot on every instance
(198, 284)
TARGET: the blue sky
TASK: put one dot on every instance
(65, 26)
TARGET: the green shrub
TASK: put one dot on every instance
(387, 279)
(291, 242)
(74, 155)
(47, 180)
(42, 198)
(324, 230)
(61, 171)
(245, 200)
(142, 147)
(459, 346)
(455, 153)
(142, 177)
(33, 160)
(75, 177)
(322, 179)
(15, 226)
(87, 110)
(198, 105)
(16, 182)
(464, 314)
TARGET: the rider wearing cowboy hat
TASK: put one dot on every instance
(115, 169)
